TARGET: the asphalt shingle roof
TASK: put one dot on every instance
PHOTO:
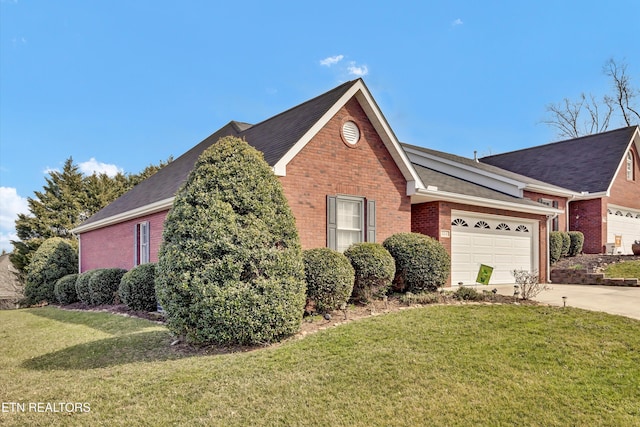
(274, 137)
(582, 164)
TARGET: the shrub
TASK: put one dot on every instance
(65, 289)
(82, 286)
(566, 243)
(54, 259)
(137, 288)
(103, 285)
(529, 283)
(422, 263)
(230, 268)
(467, 294)
(577, 240)
(374, 269)
(329, 277)
(555, 246)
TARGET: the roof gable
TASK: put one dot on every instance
(587, 164)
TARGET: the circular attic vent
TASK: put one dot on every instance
(350, 133)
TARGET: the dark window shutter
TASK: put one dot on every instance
(145, 242)
(371, 221)
(332, 222)
(136, 244)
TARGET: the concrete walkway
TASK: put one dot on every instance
(624, 301)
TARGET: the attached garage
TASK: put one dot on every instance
(624, 223)
(504, 243)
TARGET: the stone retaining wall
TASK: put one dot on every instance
(575, 276)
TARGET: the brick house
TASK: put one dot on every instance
(348, 179)
(343, 171)
(603, 170)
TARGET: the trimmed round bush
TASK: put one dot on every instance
(555, 246)
(54, 259)
(82, 286)
(566, 243)
(137, 288)
(374, 269)
(65, 289)
(422, 263)
(329, 277)
(230, 268)
(577, 240)
(103, 285)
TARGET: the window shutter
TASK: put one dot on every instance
(136, 245)
(332, 222)
(371, 221)
(144, 255)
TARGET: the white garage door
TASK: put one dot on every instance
(504, 243)
(625, 223)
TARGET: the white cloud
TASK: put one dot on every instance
(457, 22)
(357, 70)
(48, 170)
(329, 61)
(92, 166)
(11, 204)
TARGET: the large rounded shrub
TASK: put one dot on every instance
(137, 288)
(374, 270)
(103, 285)
(555, 246)
(422, 263)
(65, 289)
(230, 267)
(82, 286)
(577, 240)
(329, 277)
(54, 259)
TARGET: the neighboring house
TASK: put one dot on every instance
(348, 179)
(343, 171)
(604, 172)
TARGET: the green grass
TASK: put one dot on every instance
(439, 365)
(626, 269)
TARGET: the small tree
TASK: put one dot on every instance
(54, 259)
(230, 267)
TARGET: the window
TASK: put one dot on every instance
(630, 166)
(141, 243)
(350, 220)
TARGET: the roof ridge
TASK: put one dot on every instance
(562, 141)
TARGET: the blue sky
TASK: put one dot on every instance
(118, 85)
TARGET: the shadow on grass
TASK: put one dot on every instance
(102, 321)
(149, 346)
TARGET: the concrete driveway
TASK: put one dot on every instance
(624, 301)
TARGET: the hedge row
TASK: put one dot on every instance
(562, 244)
(406, 262)
(135, 288)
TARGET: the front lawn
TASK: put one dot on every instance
(438, 365)
(626, 269)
